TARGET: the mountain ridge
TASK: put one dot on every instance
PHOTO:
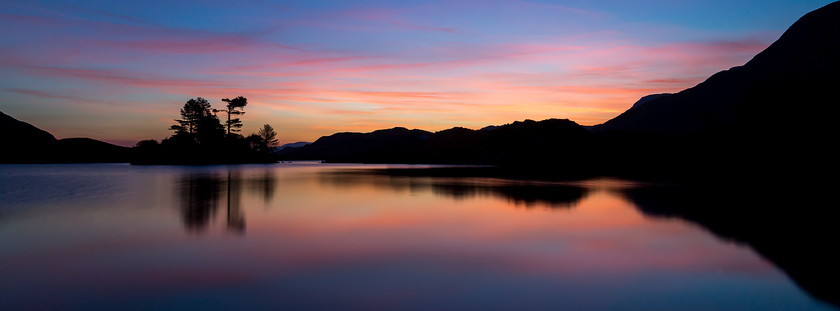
(792, 69)
(30, 144)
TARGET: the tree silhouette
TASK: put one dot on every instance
(264, 140)
(191, 114)
(268, 136)
(233, 124)
(198, 123)
(200, 138)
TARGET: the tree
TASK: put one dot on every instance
(146, 143)
(192, 114)
(233, 124)
(268, 136)
(198, 123)
(264, 140)
(209, 130)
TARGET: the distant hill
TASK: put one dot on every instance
(520, 142)
(288, 148)
(25, 143)
(294, 145)
(387, 145)
(87, 150)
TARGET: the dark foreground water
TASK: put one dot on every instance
(313, 236)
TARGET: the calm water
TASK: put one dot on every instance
(313, 236)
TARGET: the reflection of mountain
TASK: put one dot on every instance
(455, 183)
(793, 228)
(555, 196)
(201, 195)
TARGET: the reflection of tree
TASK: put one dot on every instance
(264, 185)
(200, 197)
(199, 200)
(235, 216)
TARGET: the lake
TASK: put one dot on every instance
(310, 236)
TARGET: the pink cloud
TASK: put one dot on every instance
(125, 77)
(52, 95)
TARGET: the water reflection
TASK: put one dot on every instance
(264, 184)
(330, 237)
(787, 225)
(798, 243)
(529, 194)
(199, 200)
(201, 193)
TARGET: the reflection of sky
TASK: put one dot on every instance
(317, 243)
(119, 70)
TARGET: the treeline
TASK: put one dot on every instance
(200, 137)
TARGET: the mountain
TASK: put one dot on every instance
(21, 141)
(25, 143)
(388, 145)
(525, 142)
(293, 145)
(15, 132)
(789, 84)
(647, 99)
(87, 150)
(770, 117)
(288, 148)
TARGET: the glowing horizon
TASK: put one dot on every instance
(119, 72)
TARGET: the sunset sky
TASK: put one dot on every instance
(119, 71)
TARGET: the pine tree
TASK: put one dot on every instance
(233, 108)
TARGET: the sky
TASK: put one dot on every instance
(119, 71)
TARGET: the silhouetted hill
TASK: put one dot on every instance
(519, 143)
(24, 143)
(647, 99)
(789, 84)
(383, 146)
(20, 140)
(770, 116)
(86, 150)
(287, 148)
